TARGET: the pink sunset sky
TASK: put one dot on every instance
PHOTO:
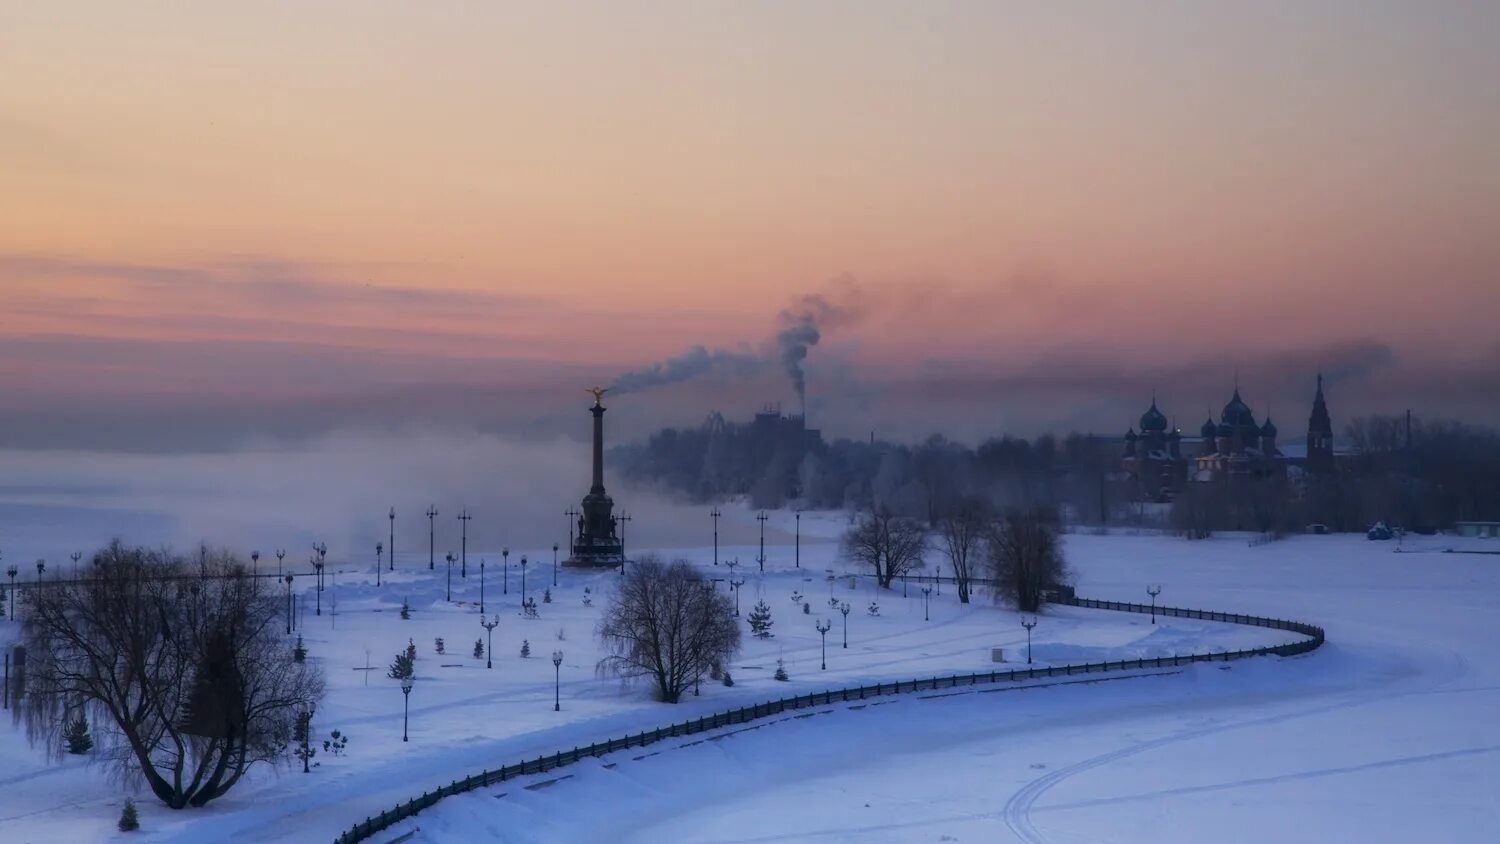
(231, 220)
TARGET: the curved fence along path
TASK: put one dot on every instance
(524, 767)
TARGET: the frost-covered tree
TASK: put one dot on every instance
(1026, 557)
(888, 544)
(961, 527)
(177, 661)
(668, 623)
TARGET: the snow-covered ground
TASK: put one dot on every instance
(1386, 733)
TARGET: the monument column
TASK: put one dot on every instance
(597, 543)
(598, 411)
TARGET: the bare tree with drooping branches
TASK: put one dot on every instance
(961, 529)
(178, 662)
(890, 545)
(667, 622)
(1026, 556)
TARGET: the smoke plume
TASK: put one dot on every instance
(801, 327)
(694, 362)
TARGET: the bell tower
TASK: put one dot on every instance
(1319, 434)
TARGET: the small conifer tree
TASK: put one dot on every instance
(781, 671)
(525, 649)
(405, 610)
(438, 645)
(299, 652)
(479, 649)
(128, 820)
(77, 736)
(760, 620)
(335, 743)
(728, 679)
(547, 596)
(403, 667)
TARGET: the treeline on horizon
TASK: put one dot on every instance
(1416, 473)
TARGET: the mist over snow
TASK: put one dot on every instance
(336, 489)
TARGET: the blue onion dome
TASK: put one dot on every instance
(1130, 435)
(1209, 429)
(1268, 429)
(1225, 430)
(1237, 413)
(1153, 419)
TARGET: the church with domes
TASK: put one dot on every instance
(1159, 460)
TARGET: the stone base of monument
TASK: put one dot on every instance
(595, 556)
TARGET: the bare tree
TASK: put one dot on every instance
(891, 545)
(178, 662)
(1196, 510)
(961, 529)
(1026, 557)
(667, 622)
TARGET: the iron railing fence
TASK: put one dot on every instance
(745, 714)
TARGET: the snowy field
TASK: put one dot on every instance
(1387, 733)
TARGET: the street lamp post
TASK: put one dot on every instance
(431, 534)
(392, 515)
(926, 598)
(798, 557)
(572, 525)
(318, 567)
(505, 571)
(481, 589)
(557, 681)
(1028, 625)
(12, 572)
(1153, 590)
(75, 557)
(41, 566)
(554, 565)
(254, 564)
(735, 585)
(449, 558)
(489, 629)
(289, 615)
(379, 550)
(463, 565)
(823, 627)
(406, 684)
(844, 608)
(280, 557)
(523, 579)
(715, 514)
(937, 580)
(762, 519)
(623, 518)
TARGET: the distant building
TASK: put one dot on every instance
(1159, 460)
